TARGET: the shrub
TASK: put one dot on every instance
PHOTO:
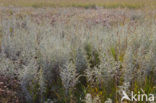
(77, 63)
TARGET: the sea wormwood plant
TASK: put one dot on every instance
(69, 76)
(49, 60)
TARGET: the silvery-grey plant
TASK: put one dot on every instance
(104, 72)
(28, 74)
(8, 67)
(42, 51)
(90, 99)
(69, 75)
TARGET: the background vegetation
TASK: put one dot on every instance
(133, 4)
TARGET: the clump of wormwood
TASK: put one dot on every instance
(63, 63)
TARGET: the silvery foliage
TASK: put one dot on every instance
(20, 46)
(53, 52)
(90, 99)
(104, 72)
(23, 41)
(81, 62)
(139, 59)
(18, 42)
(7, 67)
(96, 99)
(108, 100)
(69, 75)
(28, 74)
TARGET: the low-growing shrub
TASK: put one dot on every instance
(68, 63)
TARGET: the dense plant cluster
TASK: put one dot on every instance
(76, 63)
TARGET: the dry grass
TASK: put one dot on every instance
(133, 4)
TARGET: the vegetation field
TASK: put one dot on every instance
(133, 4)
(60, 52)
